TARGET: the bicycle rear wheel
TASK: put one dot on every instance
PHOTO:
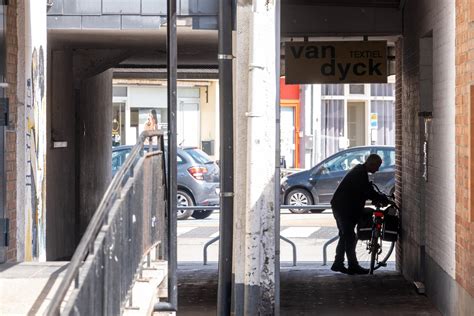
(364, 256)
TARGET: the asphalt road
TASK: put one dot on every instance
(309, 232)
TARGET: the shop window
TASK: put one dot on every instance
(118, 124)
(332, 127)
(382, 122)
(332, 89)
(382, 90)
(356, 89)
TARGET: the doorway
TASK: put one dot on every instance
(356, 123)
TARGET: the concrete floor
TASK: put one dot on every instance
(311, 289)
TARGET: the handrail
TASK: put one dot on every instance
(86, 244)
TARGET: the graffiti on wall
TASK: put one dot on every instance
(35, 157)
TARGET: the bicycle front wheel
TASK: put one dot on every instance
(364, 255)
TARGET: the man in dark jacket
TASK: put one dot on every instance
(347, 205)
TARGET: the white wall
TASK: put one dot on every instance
(437, 200)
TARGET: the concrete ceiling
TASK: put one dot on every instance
(300, 18)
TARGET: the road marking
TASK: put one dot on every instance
(184, 230)
(301, 232)
(214, 235)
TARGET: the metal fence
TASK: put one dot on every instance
(129, 222)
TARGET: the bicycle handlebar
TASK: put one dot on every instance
(390, 198)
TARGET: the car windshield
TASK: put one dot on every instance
(199, 156)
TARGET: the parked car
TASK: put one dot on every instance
(317, 185)
(197, 175)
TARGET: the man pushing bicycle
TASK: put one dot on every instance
(347, 206)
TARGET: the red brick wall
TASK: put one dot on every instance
(464, 144)
(10, 141)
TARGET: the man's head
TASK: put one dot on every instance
(373, 162)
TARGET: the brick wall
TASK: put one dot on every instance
(10, 139)
(428, 207)
(464, 146)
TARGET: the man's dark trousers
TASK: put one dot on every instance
(347, 240)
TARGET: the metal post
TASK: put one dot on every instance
(172, 65)
(204, 250)
(277, 160)
(330, 241)
(292, 244)
(224, 292)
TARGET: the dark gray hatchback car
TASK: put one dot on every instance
(198, 178)
(317, 185)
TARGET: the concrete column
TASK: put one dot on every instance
(94, 141)
(61, 182)
(254, 238)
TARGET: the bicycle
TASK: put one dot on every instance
(377, 234)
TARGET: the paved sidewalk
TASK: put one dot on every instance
(26, 288)
(312, 289)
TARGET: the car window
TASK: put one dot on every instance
(347, 160)
(199, 156)
(118, 158)
(388, 158)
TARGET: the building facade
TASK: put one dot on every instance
(198, 111)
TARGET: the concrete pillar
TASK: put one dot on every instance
(254, 237)
(94, 143)
(61, 182)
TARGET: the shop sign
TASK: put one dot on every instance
(336, 62)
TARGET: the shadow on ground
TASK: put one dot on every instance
(311, 289)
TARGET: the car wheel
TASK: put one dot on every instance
(299, 197)
(184, 199)
(317, 210)
(201, 214)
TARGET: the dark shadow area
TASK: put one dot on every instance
(313, 291)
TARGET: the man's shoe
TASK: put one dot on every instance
(357, 270)
(339, 268)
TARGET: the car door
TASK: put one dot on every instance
(118, 158)
(385, 177)
(333, 171)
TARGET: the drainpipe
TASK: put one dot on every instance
(172, 65)
(226, 122)
(4, 223)
(277, 155)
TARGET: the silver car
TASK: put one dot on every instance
(197, 175)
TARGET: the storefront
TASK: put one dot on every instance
(134, 106)
(289, 124)
(347, 115)
(143, 105)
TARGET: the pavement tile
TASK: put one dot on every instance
(316, 290)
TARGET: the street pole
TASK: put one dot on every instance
(224, 293)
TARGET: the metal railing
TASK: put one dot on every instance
(129, 221)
